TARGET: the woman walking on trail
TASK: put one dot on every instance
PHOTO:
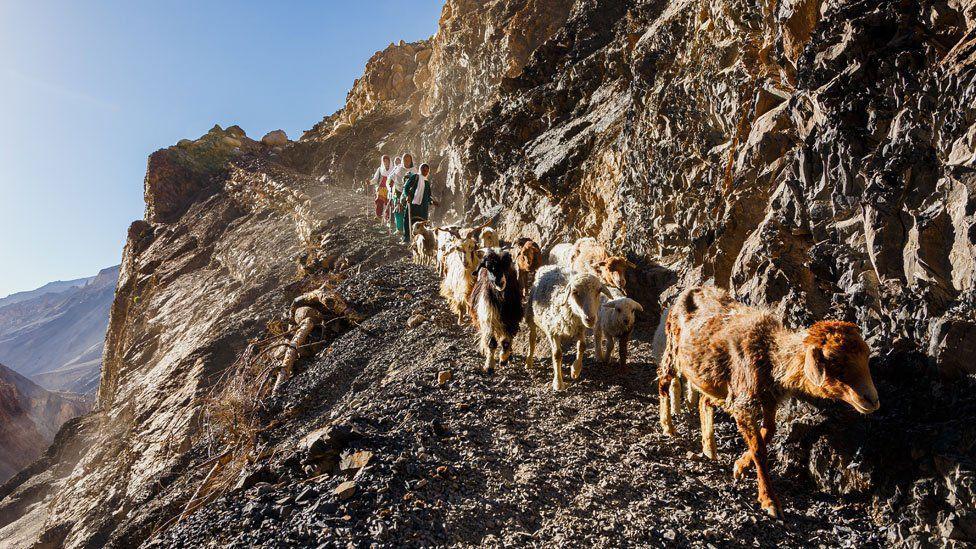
(417, 198)
(396, 173)
(400, 206)
(379, 182)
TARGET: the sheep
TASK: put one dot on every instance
(495, 306)
(564, 305)
(457, 282)
(588, 255)
(446, 237)
(562, 255)
(675, 390)
(489, 238)
(528, 259)
(424, 244)
(745, 360)
(616, 322)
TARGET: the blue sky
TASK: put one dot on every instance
(89, 89)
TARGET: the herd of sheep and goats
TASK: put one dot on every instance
(712, 351)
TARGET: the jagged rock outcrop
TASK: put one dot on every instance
(813, 157)
(57, 337)
(29, 418)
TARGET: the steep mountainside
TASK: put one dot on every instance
(29, 418)
(57, 338)
(813, 157)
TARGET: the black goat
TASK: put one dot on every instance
(495, 305)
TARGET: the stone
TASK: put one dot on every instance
(444, 376)
(275, 138)
(345, 490)
(354, 461)
(415, 320)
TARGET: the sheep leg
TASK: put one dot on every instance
(706, 414)
(531, 354)
(692, 397)
(621, 349)
(557, 364)
(598, 345)
(490, 347)
(745, 461)
(578, 363)
(757, 446)
(663, 385)
(675, 395)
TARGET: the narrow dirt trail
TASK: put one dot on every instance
(495, 460)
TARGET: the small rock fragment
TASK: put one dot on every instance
(345, 490)
(415, 320)
(444, 376)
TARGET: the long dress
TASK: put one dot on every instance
(394, 186)
(379, 182)
(419, 206)
(400, 213)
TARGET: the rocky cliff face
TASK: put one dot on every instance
(57, 337)
(814, 157)
(29, 418)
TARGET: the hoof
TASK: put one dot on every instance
(668, 430)
(528, 363)
(575, 372)
(558, 386)
(488, 371)
(773, 510)
(711, 455)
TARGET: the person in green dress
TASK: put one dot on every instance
(417, 198)
(400, 212)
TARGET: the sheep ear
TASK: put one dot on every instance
(638, 306)
(813, 366)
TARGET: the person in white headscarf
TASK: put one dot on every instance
(399, 206)
(417, 198)
(379, 182)
(396, 173)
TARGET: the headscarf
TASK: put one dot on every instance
(382, 172)
(418, 193)
(394, 176)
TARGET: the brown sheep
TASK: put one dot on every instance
(746, 361)
(528, 259)
(590, 256)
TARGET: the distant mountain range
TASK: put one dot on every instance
(30, 416)
(55, 334)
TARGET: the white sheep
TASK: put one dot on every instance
(616, 323)
(447, 237)
(458, 281)
(564, 305)
(424, 245)
(562, 255)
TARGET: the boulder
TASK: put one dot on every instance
(276, 138)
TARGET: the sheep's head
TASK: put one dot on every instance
(625, 310)
(613, 270)
(419, 227)
(495, 267)
(583, 297)
(489, 238)
(836, 364)
(529, 256)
